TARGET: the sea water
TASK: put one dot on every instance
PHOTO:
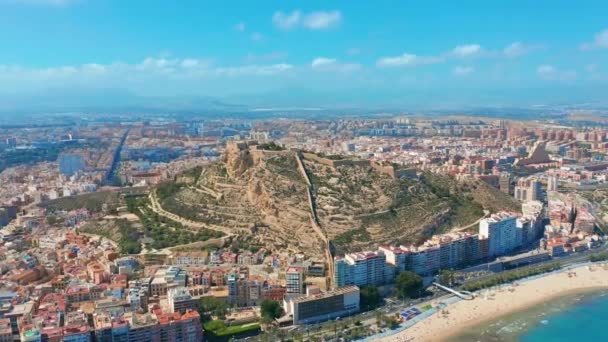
(578, 317)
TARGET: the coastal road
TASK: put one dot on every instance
(565, 261)
(368, 318)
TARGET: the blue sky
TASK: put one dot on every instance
(380, 51)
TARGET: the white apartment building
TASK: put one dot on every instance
(501, 231)
(425, 259)
(363, 268)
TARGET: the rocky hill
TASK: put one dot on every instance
(256, 193)
(262, 191)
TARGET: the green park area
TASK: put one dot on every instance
(217, 330)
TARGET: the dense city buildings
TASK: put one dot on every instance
(70, 164)
(252, 172)
(81, 259)
(498, 235)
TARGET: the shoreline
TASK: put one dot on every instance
(455, 332)
(507, 301)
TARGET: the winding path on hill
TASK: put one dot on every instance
(486, 213)
(157, 208)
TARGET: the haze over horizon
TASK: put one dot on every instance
(108, 54)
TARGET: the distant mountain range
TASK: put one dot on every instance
(108, 100)
(517, 103)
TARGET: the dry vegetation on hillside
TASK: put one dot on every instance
(265, 198)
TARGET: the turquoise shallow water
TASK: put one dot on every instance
(580, 317)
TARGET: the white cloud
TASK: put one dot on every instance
(60, 71)
(515, 49)
(190, 63)
(549, 72)
(462, 70)
(332, 64)
(256, 36)
(155, 76)
(149, 68)
(318, 20)
(240, 27)
(156, 63)
(286, 21)
(254, 70)
(20, 74)
(322, 61)
(600, 41)
(94, 68)
(322, 20)
(466, 50)
(457, 53)
(408, 59)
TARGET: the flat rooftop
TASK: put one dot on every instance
(336, 292)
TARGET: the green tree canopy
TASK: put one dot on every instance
(213, 306)
(447, 277)
(408, 284)
(370, 297)
(271, 309)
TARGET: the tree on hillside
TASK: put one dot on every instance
(408, 284)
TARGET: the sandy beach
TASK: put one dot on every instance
(496, 303)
